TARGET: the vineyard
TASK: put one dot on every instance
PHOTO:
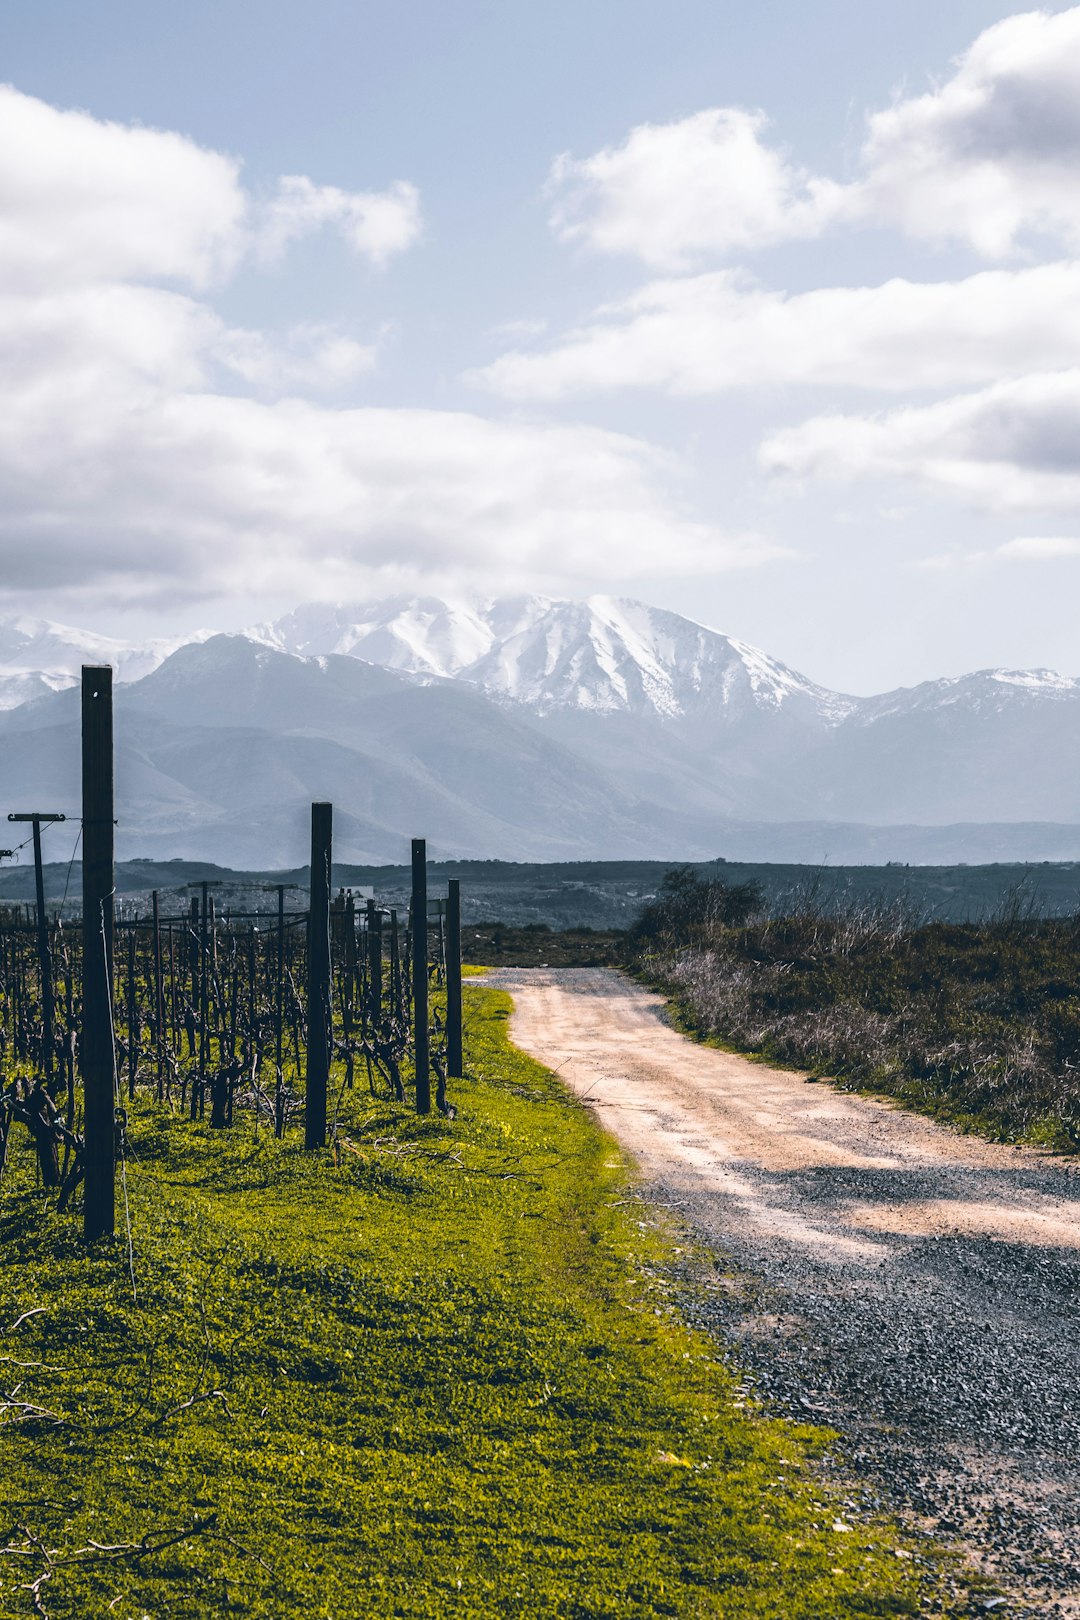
(365, 1349)
(209, 1014)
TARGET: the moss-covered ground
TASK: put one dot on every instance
(433, 1371)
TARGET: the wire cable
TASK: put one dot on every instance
(67, 880)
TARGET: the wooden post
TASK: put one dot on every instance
(374, 945)
(320, 1004)
(349, 942)
(96, 1052)
(397, 994)
(159, 999)
(279, 990)
(204, 1001)
(193, 953)
(132, 1008)
(420, 976)
(453, 980)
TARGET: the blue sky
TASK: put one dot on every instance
(504, 375)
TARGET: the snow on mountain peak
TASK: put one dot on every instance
(1042, 680)
(604, 655)
(38, 656)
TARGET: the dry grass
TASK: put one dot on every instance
(977, 1022)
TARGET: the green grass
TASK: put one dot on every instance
(436, 1371)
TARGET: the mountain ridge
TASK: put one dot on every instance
(543, 652)
(531, 728)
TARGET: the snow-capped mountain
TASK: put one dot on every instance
(38, 656)
(984, 691)
(605, 656)
(531, 728)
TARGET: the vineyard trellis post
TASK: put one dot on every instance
(454, 1063)
(279, 997)
(320, 1002)
(36, 817)
(374, 944)
(97, 1052)
(420, 976)
(201, 975)
(159, 998)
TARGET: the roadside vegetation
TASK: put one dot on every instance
(435, 1370)
(977, 1023)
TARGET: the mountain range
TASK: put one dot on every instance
(530, 728)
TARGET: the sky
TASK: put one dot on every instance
(764, 311)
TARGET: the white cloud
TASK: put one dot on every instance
(105, 342)
(672, 192)
(1015, 445)
(133, 464)
(313, 355)
(168, 488)
(1038, 548)
(377, 225)
(1025, 549)
(86, 201)
(524, 328)
(989, 157)
(718, 331)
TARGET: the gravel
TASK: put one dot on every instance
(875, 1273)
(951, 1371)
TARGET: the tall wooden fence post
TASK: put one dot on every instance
(96, 1051)
(420, 976)
(453, 980)
(320, 1003)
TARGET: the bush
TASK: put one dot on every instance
(689, 906)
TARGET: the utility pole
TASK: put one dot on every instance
(36, 817)
(420, 976)
(453, 979)
(96, 1051)
(320, 1003)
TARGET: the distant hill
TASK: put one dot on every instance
(531, 729)
(592, 894)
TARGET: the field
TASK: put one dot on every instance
(437, 1369)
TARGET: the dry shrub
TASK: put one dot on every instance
(976, 1021)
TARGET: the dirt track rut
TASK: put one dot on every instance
(916, 1288)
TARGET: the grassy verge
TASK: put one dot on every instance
(431, 1372)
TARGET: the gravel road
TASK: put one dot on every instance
(914, 1288)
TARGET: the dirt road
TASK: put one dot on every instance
(915, 1288)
